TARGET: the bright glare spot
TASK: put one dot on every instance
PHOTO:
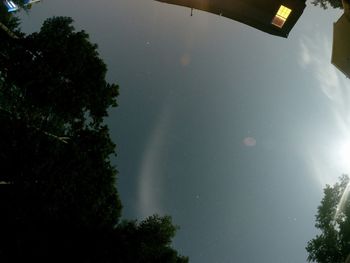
(342, 159)
(343, 200)
(341, 155)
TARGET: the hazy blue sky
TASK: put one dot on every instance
(230, 130)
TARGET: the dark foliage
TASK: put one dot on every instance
(58, 196)
(328, 3)
(332, 245)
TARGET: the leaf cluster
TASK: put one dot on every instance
(328, 3)
(332, 245)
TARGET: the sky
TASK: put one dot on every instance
(231, 131)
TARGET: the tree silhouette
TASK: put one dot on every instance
(58, 195)
(328, 3)
(147, 241)
(332, 245)
(55, 148)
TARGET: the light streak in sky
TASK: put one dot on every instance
(150, 181)
(343, 199)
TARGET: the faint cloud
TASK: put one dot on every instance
(316, 53)
(249, 141)
(327, 161)
(305, 56)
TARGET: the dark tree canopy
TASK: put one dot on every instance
(54, 87)
(61, 76)
(332, 245)
(147, 241)
(58, 195)
(328, 3)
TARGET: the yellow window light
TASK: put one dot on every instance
(281, 16)
(283, 12)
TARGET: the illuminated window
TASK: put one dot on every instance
(11, 6)
(281, 16)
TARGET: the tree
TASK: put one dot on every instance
(332, 245)
(55, 148)
(58, 195)
(326, 3)
(147, 241)
(54, 87)
(67, 78)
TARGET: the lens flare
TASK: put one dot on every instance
(249, 141)
(342, 202)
